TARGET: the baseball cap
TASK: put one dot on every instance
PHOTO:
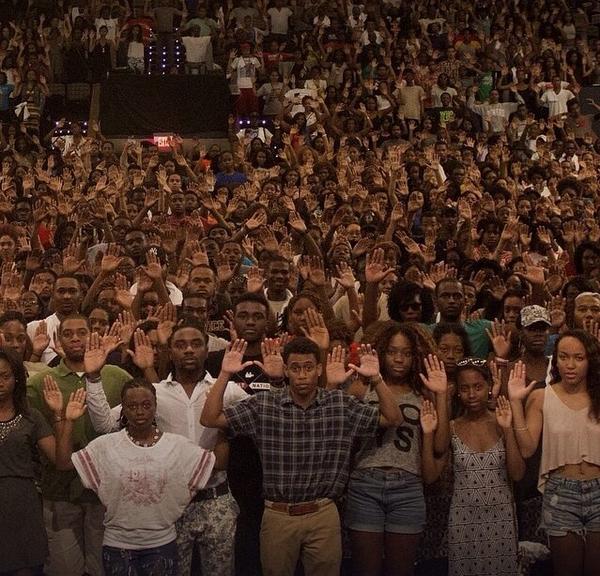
(534, 314)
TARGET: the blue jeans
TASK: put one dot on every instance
(160, 561)
(571, 506)
(385, 501)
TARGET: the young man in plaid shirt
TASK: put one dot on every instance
(304, 435)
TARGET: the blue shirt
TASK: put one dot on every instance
(5, 92)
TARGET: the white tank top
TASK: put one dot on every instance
(568, 437)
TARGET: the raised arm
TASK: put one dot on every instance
(389, 411)
(63, 422)
(212, 415)
(527, 423)
(431, 467)
(515, 464)
(103, 419)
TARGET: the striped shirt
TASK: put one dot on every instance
(305, 453)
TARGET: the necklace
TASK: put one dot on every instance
(8, 426)
(155, 438)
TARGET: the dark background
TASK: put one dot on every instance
(144, 105)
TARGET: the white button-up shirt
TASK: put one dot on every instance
(52, 326)
(176, 412)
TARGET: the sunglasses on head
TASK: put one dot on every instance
(478, 362)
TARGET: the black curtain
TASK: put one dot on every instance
(143, 105)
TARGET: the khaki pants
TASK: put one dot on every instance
(75, 534)
(315, 538)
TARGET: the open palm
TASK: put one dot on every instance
(517, 383)
(436, 379)
(76, 406)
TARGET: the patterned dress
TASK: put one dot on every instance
(481, 530)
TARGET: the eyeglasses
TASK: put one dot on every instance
(478, 362)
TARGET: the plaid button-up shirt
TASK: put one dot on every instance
(305, 453)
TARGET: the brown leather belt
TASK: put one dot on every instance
(299, 509)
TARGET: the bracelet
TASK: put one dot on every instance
(501, 361)
(58, 419)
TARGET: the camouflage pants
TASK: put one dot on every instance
(210, 525)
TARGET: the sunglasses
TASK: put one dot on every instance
(410, 306)
(477, 362)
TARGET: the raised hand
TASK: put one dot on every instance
(143, 354)
(500, 338)
(503, 413)
(369, 362)
(255, 280)
(225, 271)
(76, 405)
(95, 355)
(111, 260)
(256, 221)
(345, 277)
(496, 372)
(296, 222)
(436, 379)
(167, 319)
(316, 329)
(56, 346)
(336, 367)
(53, 395)
(71, 261)
(375, 269)
(153, 268)
(556, 307)
(315, 270)
(113, 339)
(41, 339)
(272, 361)
(232, 360)
(428, 417)
(123, 296)
(517, 383)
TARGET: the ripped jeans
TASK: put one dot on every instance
(571, 506)
(160, 561)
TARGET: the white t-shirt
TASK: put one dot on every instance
(279, 19)
(144, 490)
(111, 24)
(175, 294)
(246, 69)
(196, 48)
(436, 95)
(557, 103)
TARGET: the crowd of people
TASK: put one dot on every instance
(362, 337)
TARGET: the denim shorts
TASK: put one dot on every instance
(159, 561)
(385, 501)
(571, 506)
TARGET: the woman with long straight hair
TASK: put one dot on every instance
(565, 417)
(24, 432)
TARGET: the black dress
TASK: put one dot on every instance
(100, 61)
(23, 541)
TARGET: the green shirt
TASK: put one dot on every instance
(65, 485)
(478, 338)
